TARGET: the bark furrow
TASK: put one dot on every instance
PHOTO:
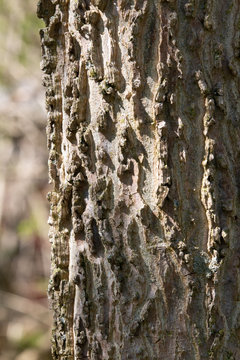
(143, 132)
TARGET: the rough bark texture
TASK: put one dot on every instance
(143, 133)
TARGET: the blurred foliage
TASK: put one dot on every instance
(29, 340)
(24, 247)
(27, 227)
(18, 40)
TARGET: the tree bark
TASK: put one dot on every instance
(143, 135)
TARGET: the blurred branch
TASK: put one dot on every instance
(25, 306)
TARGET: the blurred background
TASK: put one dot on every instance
(25, 320)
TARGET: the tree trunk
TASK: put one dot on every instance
(143, 135)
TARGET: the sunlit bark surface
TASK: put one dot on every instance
(144, 159)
